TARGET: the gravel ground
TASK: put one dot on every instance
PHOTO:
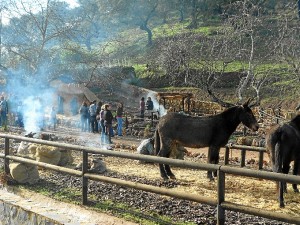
(147, 203)
(179, 210)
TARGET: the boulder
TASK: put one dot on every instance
(97, 166)
(48, 154)
(65, 158)
(146, 147)
(23, 148)
(24, 173)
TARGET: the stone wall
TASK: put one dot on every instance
(16, 210)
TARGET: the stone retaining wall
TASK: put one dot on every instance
(16, 210)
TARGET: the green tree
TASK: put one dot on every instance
(130, 13)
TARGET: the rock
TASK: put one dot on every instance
(97, 166)
(24, 173)
(66, 157)
(48, 154)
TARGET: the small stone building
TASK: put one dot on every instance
(70, 97)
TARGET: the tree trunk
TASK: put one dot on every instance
(249, 77)
(193, 24)
(149, 32)
(299, 8)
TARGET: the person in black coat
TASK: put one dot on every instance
(108, 118)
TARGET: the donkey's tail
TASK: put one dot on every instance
(156, 142)
(276, 153)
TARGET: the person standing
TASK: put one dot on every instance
(101, 123)
(3, 112)
(84, 111)
(149, 104)
(93, 120)
(98, 109)
(19, 119)
(119, 116)
(53, 119)
(108, 118)
(142, 107)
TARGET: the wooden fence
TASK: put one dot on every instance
(243, 149)
(220, 202)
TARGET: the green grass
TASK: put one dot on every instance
(74, 196)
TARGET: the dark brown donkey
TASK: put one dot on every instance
(283, 146)
(197, 132)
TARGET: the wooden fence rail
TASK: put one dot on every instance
(220, 202)
(243, 149)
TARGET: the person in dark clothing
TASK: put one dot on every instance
(108, 118)
(93, 121)
(142, 107)
(3, 112)
(98, 109)
(84, 113)
(101, 124)
(149, 104)
(120, 119)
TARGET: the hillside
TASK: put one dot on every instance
(130, 94)
(178, 52)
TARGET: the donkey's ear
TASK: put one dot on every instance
(246, 104)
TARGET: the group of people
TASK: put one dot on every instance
(98, 118)
(16, 112)
(145, 106)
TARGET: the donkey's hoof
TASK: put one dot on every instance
(211, 179)
(165, 178)
(281, 205)
(173, 177)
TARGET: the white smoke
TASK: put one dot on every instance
(157, 107)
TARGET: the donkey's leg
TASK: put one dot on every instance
(285, 170)
(168, 169)
(163, 173)
(169, 172)
(164, 152)
(209, 173)
(295, 172)
(213, 157)
(281, 201)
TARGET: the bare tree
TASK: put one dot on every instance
(288, 42)
(33, 35)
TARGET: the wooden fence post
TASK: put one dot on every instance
(221, 198)
(261, 160)
(226, 160)
(6, 152)
(84, 180)
(243, 157)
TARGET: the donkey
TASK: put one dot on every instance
(283, 147)
(197, 132)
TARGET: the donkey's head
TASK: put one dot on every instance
(247, 117)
